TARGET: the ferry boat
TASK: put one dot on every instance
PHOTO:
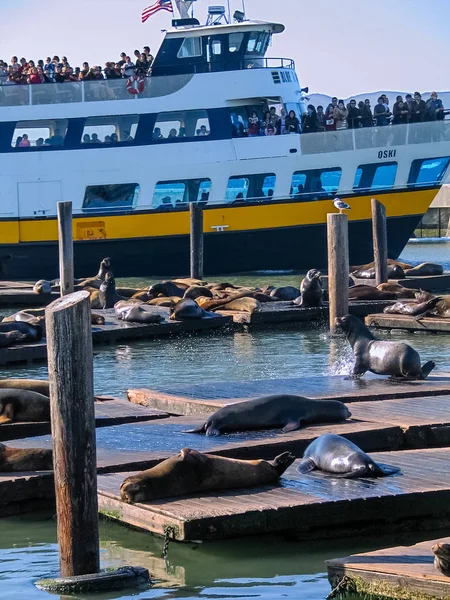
(178, 137)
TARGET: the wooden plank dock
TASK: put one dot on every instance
(203, 398)
(15, 293)
(430, 283)
(402, 572)
(408, 323)
(302, 505)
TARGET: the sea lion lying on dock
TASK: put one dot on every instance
(441, 553)
(191, 471)
(140, 313)
(424, 270)
(285, 293)
(311, 292)
(285, 411)
(390, 261)
(412, 308)
(30, 333)
(187, 309)
(11, 338)
(166, 289)
(25, 459)
(397, 289)
(41, 386)
(396, 359)
(195, 291)
(368, 292)
(393, 272)
(338, 456)
(42, 287)
(23, 405)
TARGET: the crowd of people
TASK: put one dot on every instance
(54, 70)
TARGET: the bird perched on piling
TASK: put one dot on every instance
(341, 205)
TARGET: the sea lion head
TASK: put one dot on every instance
(156, 290)
(344, 412)
(313, 274)
(441, 550)
(344, 322)
(423, 296)
(42, 287)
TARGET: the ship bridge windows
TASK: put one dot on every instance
(112, 129)
(375, 176)
(315, 184)
(116, 197)
(171, 126)
(427, 171)
(257, 187)
(235, 42)
(190, 47)
(179, 193)
(258, 42)
(39, 134)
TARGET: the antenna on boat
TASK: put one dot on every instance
(216, 14)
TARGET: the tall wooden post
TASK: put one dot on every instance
(65, 239)
(338, 267)
(196, 215)
(70, 368)
(379, 232)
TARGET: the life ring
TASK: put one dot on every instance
(135, 85)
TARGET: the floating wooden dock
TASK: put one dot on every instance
(108, 411)
(430, 283)
(427, 324)
(203, 398)
(302, 505)
(15, 293)
(403, 572)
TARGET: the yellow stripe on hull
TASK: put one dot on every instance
(236, 218)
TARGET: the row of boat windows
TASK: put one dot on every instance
(312, 184)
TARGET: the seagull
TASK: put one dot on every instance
(341, 205)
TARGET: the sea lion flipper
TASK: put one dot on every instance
(291, 426)
(283, 462)
(199, 429)
(427, 368)
(385, 470)
(4, 419)
(306, 465)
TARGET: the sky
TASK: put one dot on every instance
(340, 48)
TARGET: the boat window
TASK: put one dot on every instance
(110, 130)
(39, 134)
(250, 187)
(181, 124)
(315, 183)
(216, 47)
(235, 41)
(190, 47)
(258, 42)
(375, 176)
(252, 41)
(114, 197)
(427, 171)
(170, 194)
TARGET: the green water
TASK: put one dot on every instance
(262, 568)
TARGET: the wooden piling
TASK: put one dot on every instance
(196, 217)
(65, 239)
(338, 267)
(70, 367)
(379, 233)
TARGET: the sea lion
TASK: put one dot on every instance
(97, 319)
(425, 269)
(187, 282)
(195, 291)
(221, 286)
(34, 312)
(25, 459)
(442, 308)
(390, 261)
(368, 292)
(245, 304)
(441, 553)
(95, 282)
(40, 386)
(285, 293)
(190, 472)
(286, 411)
(32, 333)
(165, 288)
(139, 313)
(107, 294)
(23, 405)
(187, 309)
(11, 338)
(411, 308)
(311, 292)
(42, 287)
(395, 359)
(336, 455)
(397, 289)
(393, 272)
(140, 295)
(163, 301)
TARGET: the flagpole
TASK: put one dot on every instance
(243, 7)
(229, 12)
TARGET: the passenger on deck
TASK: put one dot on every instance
(330, 124)
(172, 134)
(157, 135)
(34, 77)
(141, 64)
(203, 199)
(94, 139)
(340, 115)
(354, 116)
(380, 113)
(18, 140)
(182, 132)
(39, 142)
(127, 137)
(107, 139)
(86, 138)
(274, 118)
(203, 130)
(49, 69)
(149, 56)
(366, 113)
(254, 125)
(128, 67)
(270, 130)
(282, 129)
(309, 120)
(24, 142)
(320, 121)
(57, 139)
(400, 112)
(434, 108)
(270, 193)
(114, 138)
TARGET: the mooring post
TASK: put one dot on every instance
(338, 267)
(196, 214)
(70, 370)
(65, 239)
(379, 232)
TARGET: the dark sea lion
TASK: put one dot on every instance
(188, 309)
(285, 411)
(107, 294)
(32, 333)
(441, 553)
(140, 313)
(368, 292)
(42, 287)
(32, 385)
(393, 272)
(25, 459)
(395, 359)
(285, 293)
(425, 269)
(11, 338)
(195, 291)
(95, 282)
(97, 319)
(397, 289)
(165, 288)
(311, 292)
(190, 472)
(335, 454)
(390, 261)
(411, 308)
(23, 405)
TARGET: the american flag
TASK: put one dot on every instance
(158, 5)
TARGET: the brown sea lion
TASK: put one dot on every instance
(425, 269)
(141, 295)
(187, 309)
(95, 282)
(411, 308)
(390, 261)
(127, 292)
(311, 292)
(42, 287)
(195, 291)
(32, 385)
(397, 289)
(162, 301)
(35, 312)
(285, 293)
(441, 553)
(396, 359)
(221, 286)
(107, 294)
(368, 292)
(245, 304)
(190, 472)
(25, 459)
(23, 405)
(187, 282)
